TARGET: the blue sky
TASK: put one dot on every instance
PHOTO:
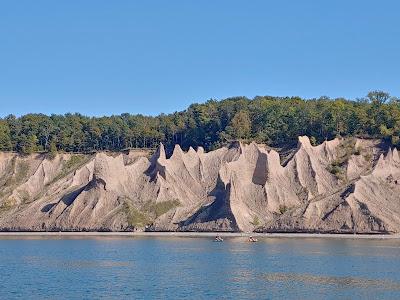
(108, 57)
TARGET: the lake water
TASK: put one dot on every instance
(197, 268)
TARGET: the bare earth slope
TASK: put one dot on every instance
(340, 186)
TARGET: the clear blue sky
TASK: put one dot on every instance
(107, 57)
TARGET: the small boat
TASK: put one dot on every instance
(252, 239)
(218, 239)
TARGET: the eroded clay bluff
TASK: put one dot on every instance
(343, 185)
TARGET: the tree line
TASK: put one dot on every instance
(276, 121)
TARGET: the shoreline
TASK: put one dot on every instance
(195, 235)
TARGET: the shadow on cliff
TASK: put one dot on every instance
(217, 211)
(67, 199)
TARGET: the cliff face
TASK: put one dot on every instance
(341, 186)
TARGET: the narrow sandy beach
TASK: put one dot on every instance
(193, 235)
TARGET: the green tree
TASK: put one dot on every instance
(378, 97)
(29, 144)
(277, 121)
(5, 137)
(53, 149)
(313, 141)
(240, 126)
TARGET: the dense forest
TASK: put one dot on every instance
(276, 121)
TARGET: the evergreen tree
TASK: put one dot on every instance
(5, 137)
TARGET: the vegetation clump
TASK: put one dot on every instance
(282, 209)
(256, 221)
(161, 208)
(145, 215)
(337, 170)
(25, 197)
(346, 149)
(7, 204)
(135, 218)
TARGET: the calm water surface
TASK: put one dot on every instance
(197, 268)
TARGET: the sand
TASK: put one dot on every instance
(194, 235)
